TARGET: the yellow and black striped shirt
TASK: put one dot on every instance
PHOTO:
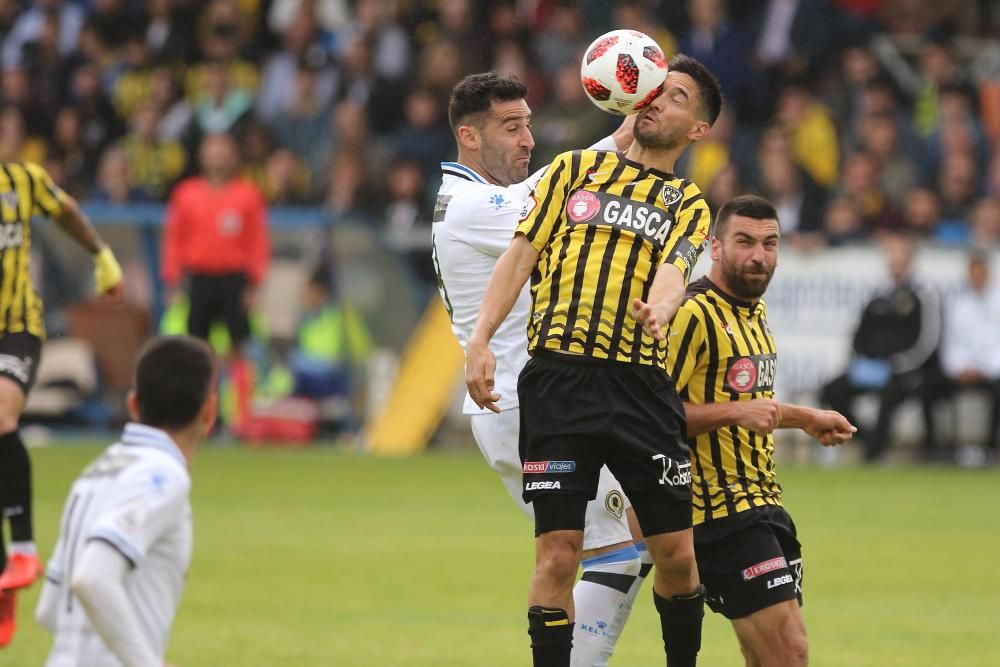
(602, 225)
(25, 191)
(721, 349)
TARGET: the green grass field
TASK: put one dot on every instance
(321, 558)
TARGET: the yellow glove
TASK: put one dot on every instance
(107, 270)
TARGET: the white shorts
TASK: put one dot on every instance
(496, 435)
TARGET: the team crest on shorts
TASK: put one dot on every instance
(614, 502)
(670, 195)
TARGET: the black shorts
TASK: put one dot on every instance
(218, 297)
(19, 356)
(749, 561)
(580, 413)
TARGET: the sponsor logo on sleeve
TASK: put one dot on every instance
(764, 567)
(499, 201)
(529, 205)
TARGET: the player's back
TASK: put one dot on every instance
(474, 222)
(134, 497)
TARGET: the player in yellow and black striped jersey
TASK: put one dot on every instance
(723, 359)
(27, 192)
(603, 224)
(608, 241)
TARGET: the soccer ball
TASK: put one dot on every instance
(623, 71)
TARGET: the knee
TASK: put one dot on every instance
(677, 556)
(558, 559)
(8, 423)
(794, 648)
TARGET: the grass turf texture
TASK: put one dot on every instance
(322, 558)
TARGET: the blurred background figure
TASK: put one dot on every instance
(216, 237)
(970, 350)
(895, 354)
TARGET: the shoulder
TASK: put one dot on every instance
(158, 475)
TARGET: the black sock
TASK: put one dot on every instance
(680, 621)
(551, 636)
(15, 486)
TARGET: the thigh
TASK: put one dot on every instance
(233, 307)
(559, 422)
(748, 563)
(606, 520)
(496, 436)
(646, 450)
(202, 304)
(20, 354)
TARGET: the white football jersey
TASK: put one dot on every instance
(134, 497)
(474, 223)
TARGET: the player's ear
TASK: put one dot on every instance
(132, 403)
(468, 137)
(209, 412)
(699, 130)
(716, 249)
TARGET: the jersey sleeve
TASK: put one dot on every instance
(48, 197)
(540, 215)
(144, 504)
(687, 238)
(685, 345)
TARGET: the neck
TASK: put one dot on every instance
(662, 159)
(187, 440)
(715, 275)
(469, 160)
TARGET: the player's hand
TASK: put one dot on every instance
(480, 368)
(624, 135)
(108, 276)
(829, 427)
(652, 319)
(761, 415)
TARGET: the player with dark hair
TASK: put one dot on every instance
(26, 190)
(124, 547)
(477, 210)
(723, 360)
(608, 240)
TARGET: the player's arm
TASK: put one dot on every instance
(107, 272)
(680, 254)
(99, 584)
(508, 278)
(47, 610)
(764, 415)
(827, 426)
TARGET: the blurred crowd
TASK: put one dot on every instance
(853, 116)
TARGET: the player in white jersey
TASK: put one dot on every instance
(114, 581)
(477, 209)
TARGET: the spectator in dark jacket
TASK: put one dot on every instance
(895, 353)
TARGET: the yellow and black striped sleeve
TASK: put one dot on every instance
(47, 196)
(687, 238)
(542, 214)
(685, 346)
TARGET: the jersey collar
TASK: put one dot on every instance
(643, 169)
(461, 171)
(140, 435)
(730, 299)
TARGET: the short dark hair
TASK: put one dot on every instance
(173, 379)
(709, 90)
(747, 206)
(475, 93)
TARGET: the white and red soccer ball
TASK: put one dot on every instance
(623, 71)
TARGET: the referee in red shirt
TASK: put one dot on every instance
(216, 235)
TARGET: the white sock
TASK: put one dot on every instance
(646, 565)
(25, 548)
(599, 598)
